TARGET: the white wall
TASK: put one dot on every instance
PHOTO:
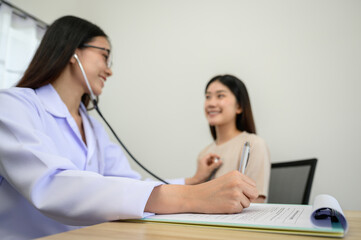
(301, 61)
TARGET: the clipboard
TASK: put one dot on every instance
(323, 218)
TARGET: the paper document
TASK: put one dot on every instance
(282, 218)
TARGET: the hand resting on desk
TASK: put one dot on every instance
(227, 194)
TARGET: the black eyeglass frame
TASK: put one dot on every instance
(109, 59)
(322, 214)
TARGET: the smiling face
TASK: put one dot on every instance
(94, 61)
(220, 106)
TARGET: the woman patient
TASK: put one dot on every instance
(229, 114)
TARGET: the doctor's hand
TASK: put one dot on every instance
(205, 167)
(230, 193)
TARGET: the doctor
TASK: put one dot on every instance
(58, 168)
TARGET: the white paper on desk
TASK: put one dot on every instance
(262, 215)
(288, 217)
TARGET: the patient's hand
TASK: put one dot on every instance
(205, 167)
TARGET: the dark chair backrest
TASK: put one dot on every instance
(291, 182)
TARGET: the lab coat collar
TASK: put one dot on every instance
(55, 106)
(52, 101)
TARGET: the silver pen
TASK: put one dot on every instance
(244, 158)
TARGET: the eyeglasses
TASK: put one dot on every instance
(323, 213)
(109, 59)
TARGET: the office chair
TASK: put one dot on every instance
(291, 182)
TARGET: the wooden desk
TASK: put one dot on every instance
(129, 231)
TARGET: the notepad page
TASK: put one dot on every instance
(257, 214)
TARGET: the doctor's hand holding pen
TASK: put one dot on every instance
(230, 193)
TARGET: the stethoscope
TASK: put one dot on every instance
(95, 103)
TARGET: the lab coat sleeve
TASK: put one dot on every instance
(52, 184)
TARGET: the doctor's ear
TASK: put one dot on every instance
(72, 59)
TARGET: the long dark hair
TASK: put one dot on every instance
(244, 120)
(58, 45)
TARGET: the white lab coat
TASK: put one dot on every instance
(50, 181)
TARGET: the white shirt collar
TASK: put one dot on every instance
(52, 101)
